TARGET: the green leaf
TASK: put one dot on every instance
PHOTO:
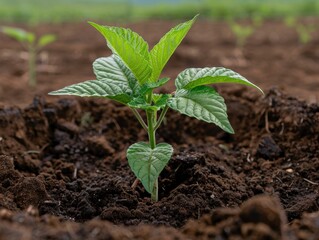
(203, 103)
(156, 97)
(141, 103)
(193, 77)
(95, 88)
(165, 48)
(130, 47)
(114, 81)
(160, 100)
(112, 69)
(148, 163)
(150, 86)
(18, 34)
(46, 39)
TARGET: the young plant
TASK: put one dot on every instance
(131, 75)
(304, 31)
(32, 44)
(241, 32)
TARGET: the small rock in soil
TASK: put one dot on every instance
(268, 149)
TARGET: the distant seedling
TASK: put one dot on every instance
(243, 31)
(303, 30)
(131, 75)
(32, 44)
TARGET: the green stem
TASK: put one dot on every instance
(140, 119)
(154, 195)
(151, 120)
(32, 66)
(149, 97)
(151, 123)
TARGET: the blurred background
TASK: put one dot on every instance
(39, 11)
(273, 43)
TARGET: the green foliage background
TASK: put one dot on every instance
(35, 11)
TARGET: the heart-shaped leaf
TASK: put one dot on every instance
(148, 163)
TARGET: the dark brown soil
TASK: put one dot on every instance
(64, 174)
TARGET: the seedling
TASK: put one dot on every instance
(32, 44)
(241, 32)
(304, 31)
(131, 75)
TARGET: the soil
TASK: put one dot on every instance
(63, 170)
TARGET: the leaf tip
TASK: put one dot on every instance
(193, 19)
(229, 129)
(95, 25)
(260, 90)
(54, 93)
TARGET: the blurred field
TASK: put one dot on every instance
(40, 11)
(272, 57)
(276, 53)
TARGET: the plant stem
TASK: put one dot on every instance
(154, 195)
(151, 122)
(32, 66)
(140, 119)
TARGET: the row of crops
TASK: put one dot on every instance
(35, 11)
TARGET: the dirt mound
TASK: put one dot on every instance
(63, 164)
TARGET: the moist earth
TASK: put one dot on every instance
(63, 169)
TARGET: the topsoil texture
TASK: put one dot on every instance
(64, 174)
